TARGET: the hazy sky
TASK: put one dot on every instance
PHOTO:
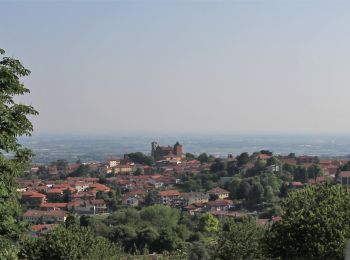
(183, 66)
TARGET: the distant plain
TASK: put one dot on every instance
(50, 147)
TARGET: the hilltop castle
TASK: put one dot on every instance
(166, 152)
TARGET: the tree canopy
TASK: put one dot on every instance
(240, 239)
(315, 224)
(71, 243)
(14, 123)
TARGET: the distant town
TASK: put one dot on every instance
(235, 186)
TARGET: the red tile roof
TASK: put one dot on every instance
(40, 227)
(168, 193)
(40, 213)
(217, 190)
(219, 202)
(99, 187)
(55, 190)
(135, 192)
(345, 174)
(53, 205)
(32, 194)
(297, 184)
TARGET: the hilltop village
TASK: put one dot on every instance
(234, 186)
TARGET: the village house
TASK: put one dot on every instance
(96, 187)
(123, 169)
(195, 208)
(219, 205)
(80, 186)
(53, 206)
(189, 198)
(113, 162)
(155, 183)
(273, 168)
(218, 193)
(55, 194)
(41, 229)
(82, 195)
(33, 198)
(169, 197)
(133, 198)
(51, 216)
(88, 207)
(344, 177)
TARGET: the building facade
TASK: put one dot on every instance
(161, 152)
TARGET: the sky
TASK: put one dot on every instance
(183, 66)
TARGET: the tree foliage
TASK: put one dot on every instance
(240, 239)
(315, 224)
(141, 158)
(71, 243)
(13, 124)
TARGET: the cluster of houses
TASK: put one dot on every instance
(215, 199)
(51, 201)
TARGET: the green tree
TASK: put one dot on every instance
(14, 123)
(242, 159)
(198, 251)
(233, 187)
(259, 165)
(208, 223)
(72, 243)
(345, 167)
(82, 171)
(301, 174)
(269, 194)
(217, 166)
(151, 198)
(190, 156)
(291, 155)
(203, 158)
(256, 194)
(125, 235)
(240, 240)
(315, 224)
(272, 161)
(8, 250)
(315, 171)
(146, 238)
(232, 168)
(243, 190)
(141, 158)
(161, 216)
(267, 152)
(61, 165)
(72, 220)
(168, 240)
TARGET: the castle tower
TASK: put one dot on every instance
(178, 149)
(154, 148)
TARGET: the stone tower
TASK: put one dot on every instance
(154, 148)
(178, 149)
